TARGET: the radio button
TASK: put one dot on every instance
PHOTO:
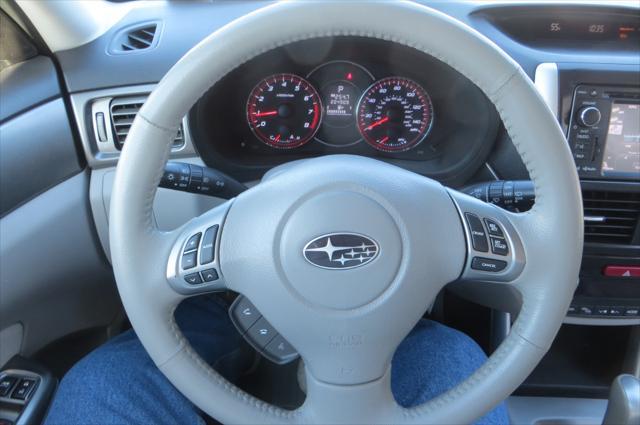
(589, 116)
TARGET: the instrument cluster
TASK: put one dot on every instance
(339, 104)
(344, 95)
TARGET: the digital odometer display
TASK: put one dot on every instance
(622, 149)
(394, 114)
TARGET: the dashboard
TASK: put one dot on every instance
(376, 98)
(345, 95)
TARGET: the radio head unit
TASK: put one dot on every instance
(604, 132)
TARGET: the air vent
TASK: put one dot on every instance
(141, 38)
(123, 112)
(610, 217)
(136, 38)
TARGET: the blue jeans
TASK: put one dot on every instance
(118, 382)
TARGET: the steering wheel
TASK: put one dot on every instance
(346, 322)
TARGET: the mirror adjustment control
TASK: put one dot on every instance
(478, 235)
(488, 264)
(24, 388)
(6, 383)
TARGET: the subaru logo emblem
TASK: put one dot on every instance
(341, 251)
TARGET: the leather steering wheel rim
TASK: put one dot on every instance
(550, 234)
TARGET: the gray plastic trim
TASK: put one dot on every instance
(601, 321)
(546, 81)
(556, 410)
(87, 105)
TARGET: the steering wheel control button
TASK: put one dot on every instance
(209, 275)
(189, 260)
(493, 228)
(488, 264)
(192, 243)
(499, 246)
(193, 279)
(261, 333)
(478, 235)
(280, 351)
(243, 314)
(207, 252)
(6, 383)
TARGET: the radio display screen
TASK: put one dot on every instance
(622, 147)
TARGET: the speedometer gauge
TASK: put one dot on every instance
(284, 111)
(395, 114)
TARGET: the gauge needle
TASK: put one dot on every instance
(383, 140)
(265, 114)
(377, 123)
(277, 138)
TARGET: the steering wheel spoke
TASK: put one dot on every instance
(370, 402)
(495, 252)
(193, 266)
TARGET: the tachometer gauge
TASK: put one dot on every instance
(395, 114)
(284, 111)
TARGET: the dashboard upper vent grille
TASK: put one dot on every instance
(139, 38)
(136, 38)
(610, 217)
(123, 112)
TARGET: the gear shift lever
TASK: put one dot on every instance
(624, 402)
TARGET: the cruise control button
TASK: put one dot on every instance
(192, 243)
(261, 333)
(6, 384)
(488, 264)
(210, 275)
(478, 235)
(499, 246)
(23, 389)
(207, 253)
(193, 278)
(189, 260)
(493, 228)
(280, 351)
(244, 314)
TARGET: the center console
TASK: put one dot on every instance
(604, 132)
(599, 108)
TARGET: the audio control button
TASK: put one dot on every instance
(589, 116)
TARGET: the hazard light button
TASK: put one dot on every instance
(622, 271)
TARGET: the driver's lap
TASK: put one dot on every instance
(118, 382)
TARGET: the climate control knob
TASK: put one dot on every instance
(589, 116)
